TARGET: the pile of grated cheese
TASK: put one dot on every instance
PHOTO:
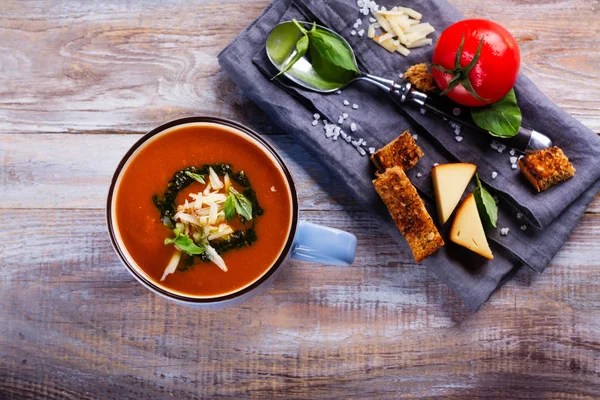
(204, 220)
(401, 27)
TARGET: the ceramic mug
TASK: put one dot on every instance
(306, 241)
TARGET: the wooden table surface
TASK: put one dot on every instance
(79, 83)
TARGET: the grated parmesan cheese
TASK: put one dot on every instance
(402, 27)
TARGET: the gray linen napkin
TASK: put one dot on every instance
(548, 217)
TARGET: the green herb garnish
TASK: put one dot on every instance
(502, 118)
(229, 208)
(184, 243)
(332, 49)
(486, 205)
(301, 48)
(242, 205)
(196, 177)
(331, 57)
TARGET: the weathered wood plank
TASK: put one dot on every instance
(128, 67)
(74, 171)
(381, 329)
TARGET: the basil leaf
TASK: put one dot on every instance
(501, 119)
(243, 206)
(328, 72)
(184, 243)
(300, 27)
(194, 176)
(229, 207)
(486, 205)
(301, 48)
(333, 49)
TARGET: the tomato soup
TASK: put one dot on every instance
(141, 233)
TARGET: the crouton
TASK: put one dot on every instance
(408, 212)
(402, 152)
(420, 77)
(546, 168)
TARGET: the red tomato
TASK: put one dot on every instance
(495, 70)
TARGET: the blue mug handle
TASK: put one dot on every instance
(324, 245)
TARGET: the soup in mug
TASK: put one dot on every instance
(202, 210)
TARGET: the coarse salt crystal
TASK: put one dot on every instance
(355, 106)
(504, 231)
(348, 138)
(273, 189)
(458, 138)
(353, 32)
(494, 174)
(338, 92)
(361, 151)
(359, 21)
(514, 166)
(355, 25)
(340, 119)
(416, 137)
(523, 227)
(315, 122)
(371, 150)
(435, 164)
(353, 127)
(419, 174)
(346, 103)
(512, 152)
(344, 115)
(513, 160)
(357, 142)
(361, 32)
(422, 111)
(372, 20)
(317, 116)
(519, 216)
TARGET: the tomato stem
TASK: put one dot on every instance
(460, 74)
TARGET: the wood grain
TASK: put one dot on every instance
(130, 66)
(80, 81)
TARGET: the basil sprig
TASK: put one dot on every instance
(331, 57)
(502, 118)
(237, 203)
(194, 176)
(184, 243)
(486, 205)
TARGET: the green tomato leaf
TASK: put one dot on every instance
(243, 206)
(184, 243)
(501, 119)
(486, 205)
(333, 49)
(229, 207)
(301, 48)
(194, 176)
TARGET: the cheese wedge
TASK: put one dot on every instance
(449, 183)
(467, 229)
